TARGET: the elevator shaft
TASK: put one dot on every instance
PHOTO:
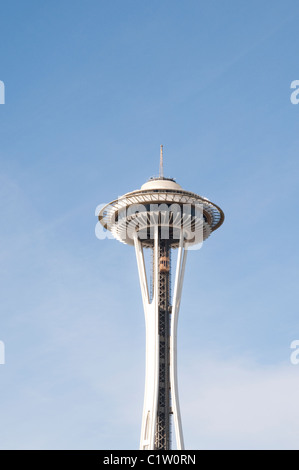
(163, 431)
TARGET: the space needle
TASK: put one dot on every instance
(161, 217)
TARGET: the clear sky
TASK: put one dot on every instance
(92, 88)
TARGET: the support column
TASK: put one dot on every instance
(151, 313)
(178, 286)
(161, 388)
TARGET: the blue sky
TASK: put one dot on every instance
(91, 91)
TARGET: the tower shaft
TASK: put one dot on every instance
(161, 389)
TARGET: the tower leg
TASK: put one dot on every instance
(179, 278)
(151, 310)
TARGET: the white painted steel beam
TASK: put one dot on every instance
(179, 278)
(151, 313)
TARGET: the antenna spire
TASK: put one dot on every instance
(161, 175)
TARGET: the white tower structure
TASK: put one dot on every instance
(161, 216)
